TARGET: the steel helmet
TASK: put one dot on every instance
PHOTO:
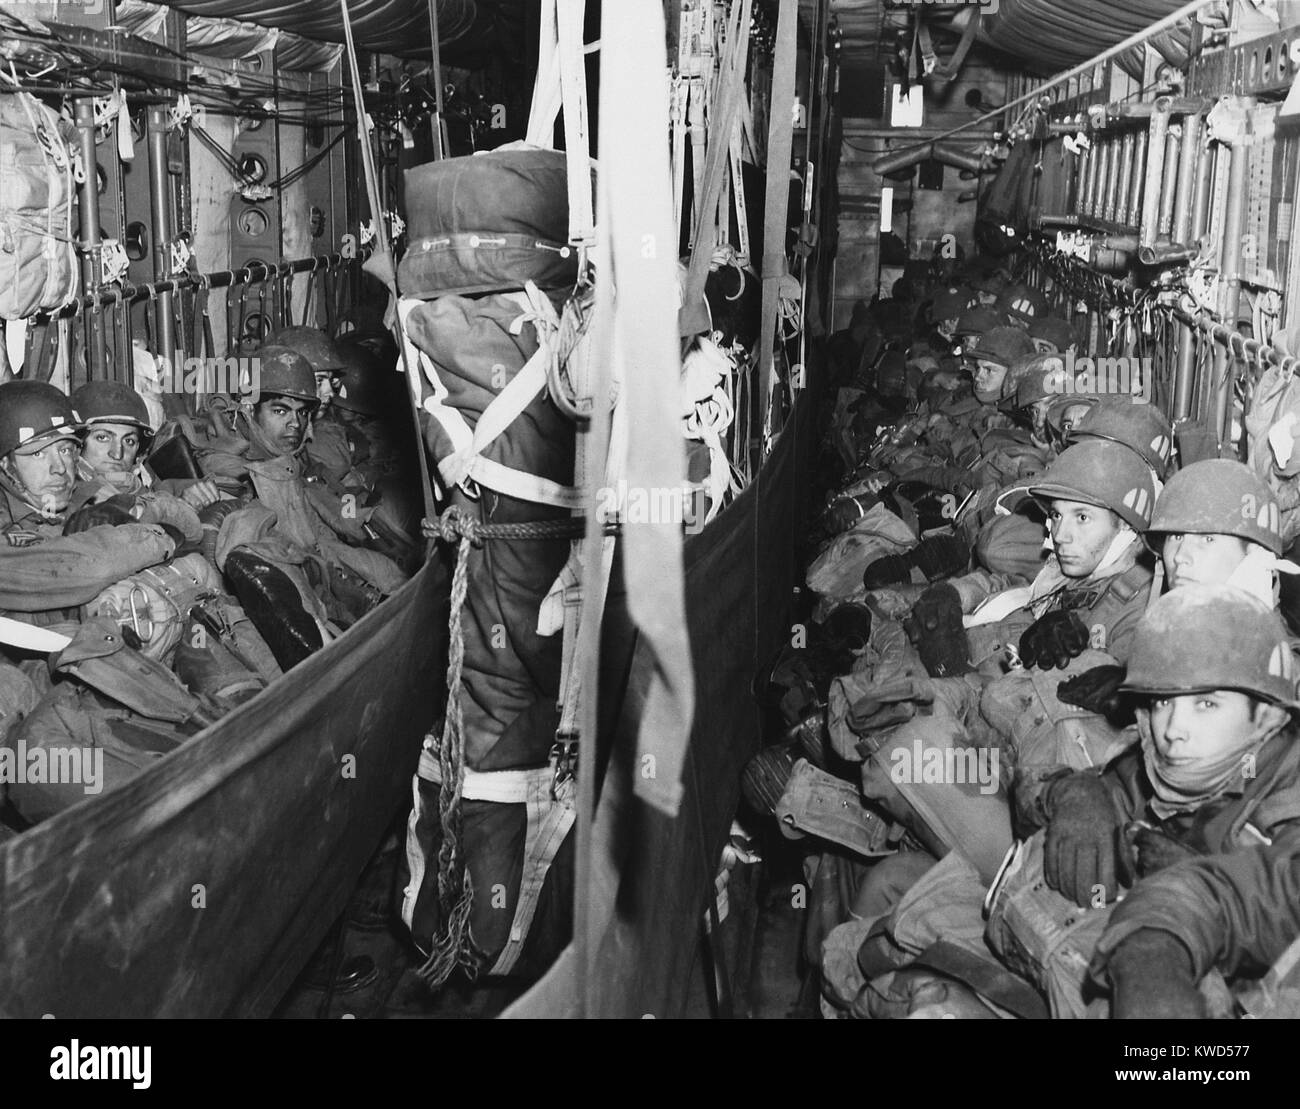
(1022, 302)
(362, 380)
(1140, 427)
(1054, 330)
(1038, 377)
(949, 304)
(313, 344)
(1102, 473)
(285, 373)
(111, 402)
(1062, 404)
(1002, 345)
(31, 410)
(1204, 637)
(1219, 496)
(891, 374)
(975, 321)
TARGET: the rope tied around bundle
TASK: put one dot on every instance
(453, 947)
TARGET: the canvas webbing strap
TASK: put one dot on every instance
(550, 815)
(698, 125)
(780, 141)
(562, 82)
(738, 193)
(681, 97)
(731, 89)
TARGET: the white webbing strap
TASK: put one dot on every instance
(680, 95)
(699, 132)
(562, 83)
(731, 90)
(466, 466)
(738, 192)
(550, 816)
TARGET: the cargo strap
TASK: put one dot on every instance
(562, 80)
(731, 89)
(780, 141)
(550, 816)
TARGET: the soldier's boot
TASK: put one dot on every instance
(274, 605)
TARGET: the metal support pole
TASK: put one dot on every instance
(1169, 186)
(1134, 209)
(1082, 168)
(1201, 194)
(1153, 186)
(1112, 180)
(161, 205)
(1188, 160)
(88, 212)
(1118, 210)
(1234, 218)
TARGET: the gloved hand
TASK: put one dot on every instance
(1053, 639)
(181, 545)
(936, 628)
(1097, 690)
(1082, 835)
(1151, 976)
(1149, 849)
(114, 511)
(201, 494)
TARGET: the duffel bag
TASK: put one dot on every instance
(487, 223)
(38, 264)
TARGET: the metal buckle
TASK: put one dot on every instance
(564, 761)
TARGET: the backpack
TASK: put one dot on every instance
(38, 262)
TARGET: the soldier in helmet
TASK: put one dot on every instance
(1052, 335)
(1216, 772)
(947, 307)
(1218, 523)
(1022, 305)
(296, 555)
(1210, 786)
(115, 430)
(991, 356)
(43, 570)
(321, 352)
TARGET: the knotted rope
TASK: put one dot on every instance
(453, 946)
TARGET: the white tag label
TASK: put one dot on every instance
(1281, 440)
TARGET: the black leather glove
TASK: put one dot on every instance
(112, 512)
(1053, 639)
(936, 628)
(1082, 836)
(1151, 977)
(1150, 850)
(1097, 690)
(182, 545)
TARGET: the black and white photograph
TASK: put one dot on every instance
(627, 510)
